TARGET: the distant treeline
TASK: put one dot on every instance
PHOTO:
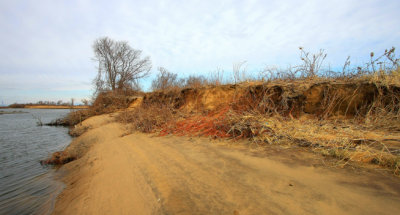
(15, 105)
(47, 103)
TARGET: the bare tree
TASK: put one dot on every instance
(164, 80)
(85, 102)
(119, 65)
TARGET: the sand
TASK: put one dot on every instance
(139, 173)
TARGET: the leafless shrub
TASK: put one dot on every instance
(311, 63)
(148, 117)
(311, 67)
(85, 102)
(107, 102)
(380, 67)
(391, 56)
(73, 118)
(272, 73)
(239, 72)
(217, 77)
(165, 80)
(38, 120)
(194, 81)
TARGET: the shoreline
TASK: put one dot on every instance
(47, 107)
(54, 107)
(120, 172)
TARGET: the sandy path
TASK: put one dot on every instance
(140, 174)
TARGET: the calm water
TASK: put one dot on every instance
(26, 187)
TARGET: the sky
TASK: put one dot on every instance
(46, 45)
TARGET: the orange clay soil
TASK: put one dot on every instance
(55, 107)
(123, 173)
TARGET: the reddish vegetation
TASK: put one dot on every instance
(213, 125)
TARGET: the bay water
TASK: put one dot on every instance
(27, 187)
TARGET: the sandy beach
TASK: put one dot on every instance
(137, 173)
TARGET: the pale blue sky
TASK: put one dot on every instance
(45, 45)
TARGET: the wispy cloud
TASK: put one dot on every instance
(45, 42)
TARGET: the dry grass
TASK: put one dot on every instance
(148, 117)
(270, 115)
(348, 115)
(73, 118)
(108, 102)
(340, 139)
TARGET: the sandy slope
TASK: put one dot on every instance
(140, 174)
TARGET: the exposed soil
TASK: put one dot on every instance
(122, 173)
(297, 97)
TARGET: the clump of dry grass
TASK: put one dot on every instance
(77, 131)
(148, 117)
(72, 118)
(58, 158)
(108, 102)
(384, 112)
(340, 139)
